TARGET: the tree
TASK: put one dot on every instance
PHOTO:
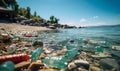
(56, 21)
(13, 3)
(16, 9)
(52, 19)
(3, 3)
(28, 14)
(22, 11)
(35, 14)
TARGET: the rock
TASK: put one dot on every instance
(81, 69)
(89, 41)
(35, 66)
(116, 47)
(100, 55)
(49, 70)
(116, 53)
(96, 64)
(109, 64)
(5, 38)
(92, 68)
(78, 64)
(71, 65)
(22, 65)
(82, 63)
(71, 41)
(28, 45)
(38, 43)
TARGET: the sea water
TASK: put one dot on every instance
(109, 34)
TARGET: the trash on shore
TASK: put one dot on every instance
(29, 52)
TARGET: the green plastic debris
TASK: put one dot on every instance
(104, 44)
(98, 49)
(71, 53)
(34, 55)
(7, 66)
(69, 47)
(55, 62)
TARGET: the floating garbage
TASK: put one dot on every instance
(34, 55)
(16, 58)
(55, 62)
(98, 49)
(104, 44)
(7, 66)
(71, 53)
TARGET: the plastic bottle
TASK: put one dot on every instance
(71, 53)
(7, 66)
(55, 62)
(11, 48)
(104, 44)
(34, 55)
(16, 58)
(98, 49)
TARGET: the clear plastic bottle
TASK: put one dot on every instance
(55, 62)
(71, 53)
(34, 55)
(98, 49)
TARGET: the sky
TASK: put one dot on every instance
(77, 12)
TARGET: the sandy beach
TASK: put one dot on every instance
(13, 27)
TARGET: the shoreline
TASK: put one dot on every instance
(15, 27)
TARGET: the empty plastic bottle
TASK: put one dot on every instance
(98, 49)
(34, 55)
(7, 66)
(69, 47)
(104, 44)
(55, 62)
(71, 53)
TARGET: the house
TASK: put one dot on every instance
(6, 15)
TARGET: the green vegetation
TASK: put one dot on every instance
(26, 12)
(53, 20)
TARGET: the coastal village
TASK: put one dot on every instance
(21, 48)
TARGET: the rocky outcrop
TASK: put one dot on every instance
(109, 64)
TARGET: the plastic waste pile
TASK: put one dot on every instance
(34, 55)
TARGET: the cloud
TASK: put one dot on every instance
(83, 20)
(95, 17)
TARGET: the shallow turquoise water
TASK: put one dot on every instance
(109, 34)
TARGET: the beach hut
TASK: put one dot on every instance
(6, 15)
